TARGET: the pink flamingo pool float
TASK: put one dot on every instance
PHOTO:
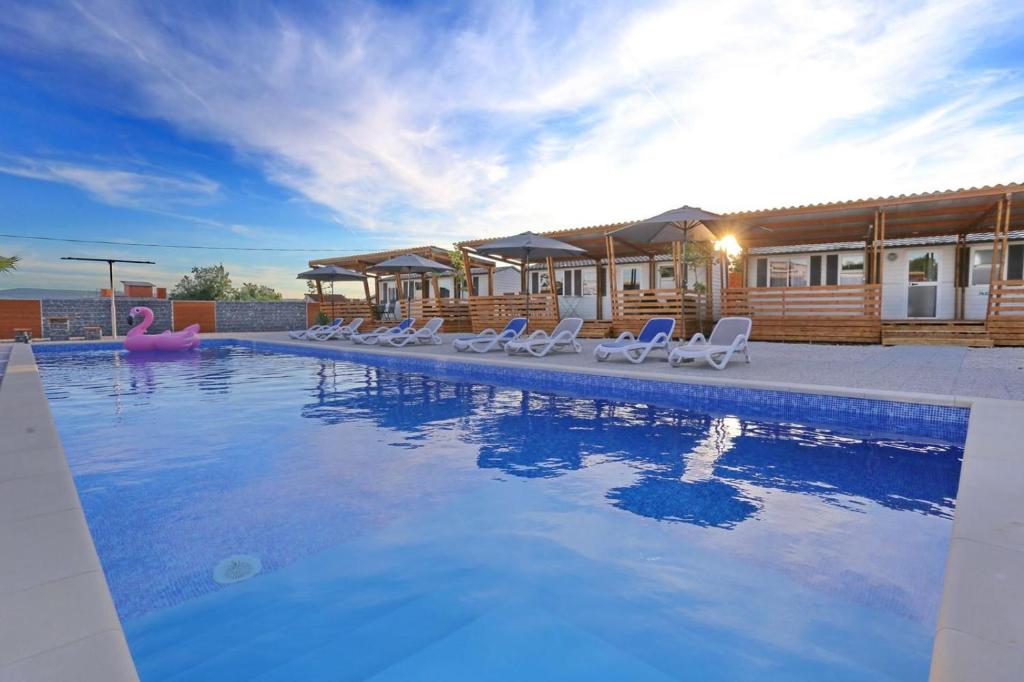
(138, 340)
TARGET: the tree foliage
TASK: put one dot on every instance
(213, 283)
(460, 268)
(250, 291)
(8, 263)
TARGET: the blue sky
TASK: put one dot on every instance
(361, 126)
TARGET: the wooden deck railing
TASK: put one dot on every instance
(496, 311)
(848, 313)
(631, 308)
(454, 311)
(1006, 312)
(346, 309)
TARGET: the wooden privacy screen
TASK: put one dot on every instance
(454, 311)
(632, 308)
(20, 315)
(192, 312)
(1006, 313)
(349, 310)
(496, 311)
(849, 313)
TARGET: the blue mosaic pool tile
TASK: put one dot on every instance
(943, 422)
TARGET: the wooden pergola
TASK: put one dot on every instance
(629, 309)
(844, 313)
(432, 304)
(853, 312)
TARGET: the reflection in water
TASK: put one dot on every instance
(691, 467)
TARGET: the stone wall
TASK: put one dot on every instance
(260, 316)
(232, 316)
(87, 312)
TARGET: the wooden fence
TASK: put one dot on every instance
(1006, 312)
(455, 312)
(496, 311)
(17, 314)
(631, 308)
(203, 313)
(346, 309)
(848, 313)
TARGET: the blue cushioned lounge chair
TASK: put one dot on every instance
(655, 335)
(489, 339)
(376, 334)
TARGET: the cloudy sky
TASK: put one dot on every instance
(360, 126)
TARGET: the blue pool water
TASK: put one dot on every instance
(418, 528)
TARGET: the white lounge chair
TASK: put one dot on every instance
(655, 335)
(305, 333)
(428, 333)
(374, 336)
(540, 343)
(486, 340)
(345, 331)
(729, 336)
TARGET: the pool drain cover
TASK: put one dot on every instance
(236, 568)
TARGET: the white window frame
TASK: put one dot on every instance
(789, 263)
(570, 278)
(986, 267)
(845, 275)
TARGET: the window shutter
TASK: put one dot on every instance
(815, 271)
(1015, 262)
(762, 272)
(832, 269)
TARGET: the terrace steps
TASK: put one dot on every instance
(970, 333)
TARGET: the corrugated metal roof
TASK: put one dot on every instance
(853, 246)
(894, 198)
(850, 204)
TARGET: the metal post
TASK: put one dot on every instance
(113, 303)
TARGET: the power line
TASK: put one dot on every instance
(176, 246)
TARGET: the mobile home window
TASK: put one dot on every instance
(534, 282)
(476, 285)
(630, 278)
(981, 266)
(572, 282)
(851, 269)
(1015, 262)
(787, 273)
(762, 273)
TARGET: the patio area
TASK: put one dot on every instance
(920, 371)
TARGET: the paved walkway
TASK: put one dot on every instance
(937, 370)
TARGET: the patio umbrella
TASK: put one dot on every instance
(526, 245)
(332, 274)
(410, 264)
(682, 224)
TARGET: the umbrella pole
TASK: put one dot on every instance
(526, 269)
(408, 295)
(682, 271)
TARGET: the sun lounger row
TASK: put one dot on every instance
(729, 337)
(399, 335)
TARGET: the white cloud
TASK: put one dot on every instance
(114, 186)
(512, 116)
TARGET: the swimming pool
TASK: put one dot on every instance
(460, 524)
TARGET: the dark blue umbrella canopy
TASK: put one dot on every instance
(680, 224)
(410, 263)
(529, 245)
(331, 273)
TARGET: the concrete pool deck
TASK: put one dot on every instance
(59, 621)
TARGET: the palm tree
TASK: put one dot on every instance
(8, 263)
